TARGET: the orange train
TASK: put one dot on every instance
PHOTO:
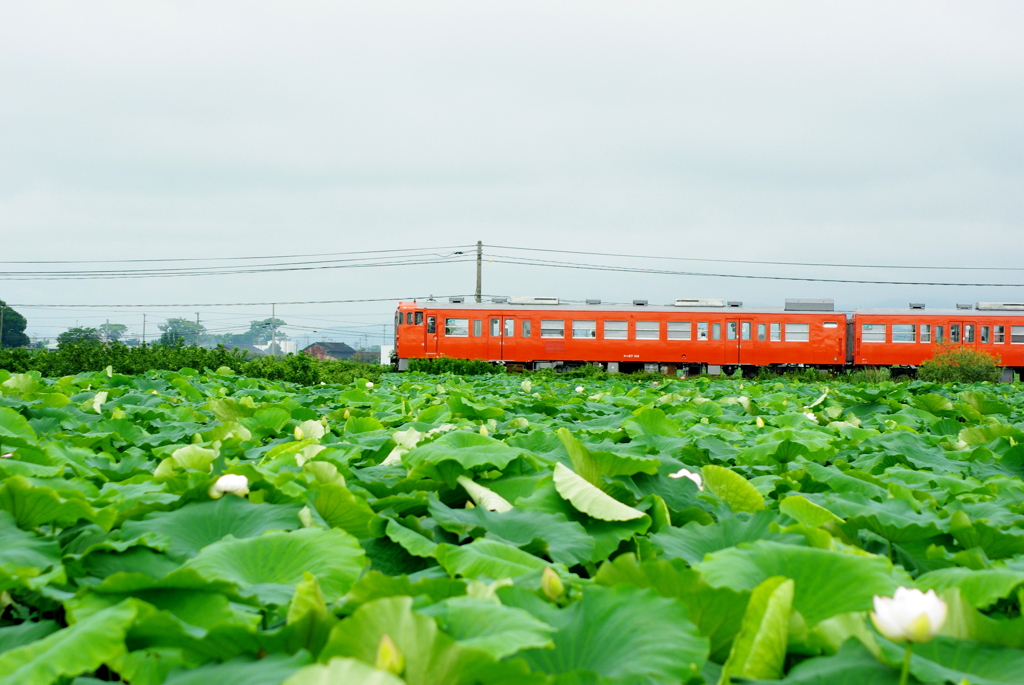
(700, 335)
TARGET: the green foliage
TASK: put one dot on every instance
(875, 374)
(81, 336)
(177, 332)
(960, 364)
(112, 332)
(12, 328)
(73, 359)
(428, 529)
(459, 367)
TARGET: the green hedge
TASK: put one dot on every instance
(958, 364)
(70, 360)
(459, 367)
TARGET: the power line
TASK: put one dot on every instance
(230, 304)
(770, 263)
(225, 259)
(623, 269)
(430, 259)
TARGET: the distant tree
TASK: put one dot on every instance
(263, 331)
(177, 332)
(79, 335)
(112, 332)
(12, 334)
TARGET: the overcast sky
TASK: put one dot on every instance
(840, 132)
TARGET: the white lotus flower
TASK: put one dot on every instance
(811, 416)
(579, 388)
(655, 382)
(369, 384)
(230, 484)
(759, 422)
(909, 615)
(686, 473)
(7, 456)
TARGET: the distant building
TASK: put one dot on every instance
(283, 347)
(329, 350)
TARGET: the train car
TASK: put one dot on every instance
(690, 334)
(907, 337)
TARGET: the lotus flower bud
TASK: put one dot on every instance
(231, 484)
(551, 584)
(759, 422)
(579, 388)
(483, 430)
(686, 473)
(526, 386)
(369, 384)
(389, 657)
(909, 615)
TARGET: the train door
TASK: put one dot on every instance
(430, 336)
(494, 336)
(508, 338)
(738, 339)
(963, 333)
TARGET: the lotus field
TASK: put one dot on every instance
(204, 527)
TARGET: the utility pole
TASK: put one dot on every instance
(273, 328)
(3, 309)
(197, 329)
(479, 265)
(143, 330)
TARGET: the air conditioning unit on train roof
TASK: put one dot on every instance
(1001, 306)
(810, 305)
(700, 303)
(533, 300)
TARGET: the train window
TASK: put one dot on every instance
(495, 328)
(830, 324)
(716, 331)
(478, 328)
(584, 329)
(985, 338)
(745, 330)
(762, 332)
(903, 332)
(969, 333)
(1017, 335)
(939, 334)
(998, 335)
(872, 332)
(456, 328)
(616, 330)
(431, 323)
(702, 330)
(648, 330)
(551, 328)
(398, 320)
(527, 328)
(510, 328)
(419, 319)
(954, 332)
(408, 318)
(678, 330)
(776, 331)
(798, 332)
(730, 330)
(926, 332)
